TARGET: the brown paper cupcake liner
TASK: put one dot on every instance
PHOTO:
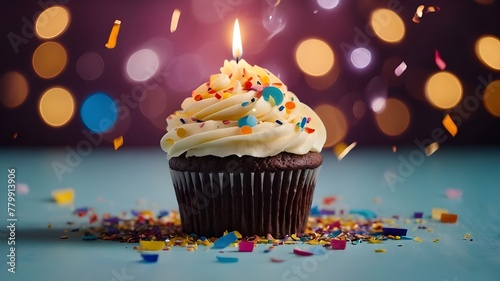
(253, 203)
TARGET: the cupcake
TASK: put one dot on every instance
(244, 154)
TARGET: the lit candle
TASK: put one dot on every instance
(237, 46)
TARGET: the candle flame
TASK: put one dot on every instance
(237, 46)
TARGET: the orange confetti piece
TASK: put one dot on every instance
(329, 200)
(113, 35)
(450, 125)
(449, 218)
(431, 148)
(418, 14)
(290, 105)
(175, 20)
(118, 142)
(245, 130)
(439, 61)
(309, 130)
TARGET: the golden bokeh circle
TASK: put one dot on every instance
(56, 106)
(314, 57)
(387, 25)
(487, 49)
(491, 98)
(13, 89)
(394, 119)
(443, 90)
(335, 123)
(52, 22)
(49, 59)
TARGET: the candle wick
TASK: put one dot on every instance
(237, 60)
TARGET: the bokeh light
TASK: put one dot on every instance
(13, 89)
(90, 66)
(335, 123)
(142, 65)
(387, 25)
(359, 109)
(154, 103)
(328, 4)
(485, 2)
(443, 90)
(273, 20)
(56, 106)
(186, 72)
(488, 51)
(314, 57)
(52, 22)
(491, 98)
(99, 112)
(361, 57)
(325, 81)
(376, 93)
(394, 119)
(49, 59)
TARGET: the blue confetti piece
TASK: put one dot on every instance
(368, 214)
(273, 92)
(249, 120)
(225, 241)
(315, 211)
(227, 259)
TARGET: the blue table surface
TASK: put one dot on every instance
(137, 178)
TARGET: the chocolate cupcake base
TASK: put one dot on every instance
(252, 203)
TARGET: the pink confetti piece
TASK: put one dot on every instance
(277, 260)
(439, 61)
(22, 188)
(400, 69)
(338, 244)
(246, 246)
(453, 193)
(300, 252)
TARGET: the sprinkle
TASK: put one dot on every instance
(225, 240)
(249, 120)
(418, 239)
(338, 244)
(439, 61)
(277, 260)
(394, 231)
(175, 20)
(309, 130)
(281, 108)
(431, 148)
(380, 250)
(182, 121)
(198, 97)
(300, 252)
(222, 259)
(265, 80)
(181, 132)
(218, 96)
(303, 122)
(279, 122)
(450, 125)
(118, 142)
(63, 196)
(418, 215)
(245, 103)
(225, 122)
(273, 92)
(436, 213)
(449, 218)
(400, 69)
(290, 105)
(202, 125)
(226, 95)
(453, 193)
(246, 246)
(113, 35)
(247, 84)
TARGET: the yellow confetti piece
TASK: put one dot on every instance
(380, 250)
(118, 142)
(467, 236)
(436, 213)
(341, 149)
(63, 196)
(435, 240)
(152, 245)
(450, 125)
(431, 148)
(418, 239)
(181, 132)
(113, 35)
(175, 20)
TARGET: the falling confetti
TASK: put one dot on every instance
(63, 196)
(341, 149)
(22, 188)
(113, 35)
(453, 193)
(418, 14)
(175, 20)
(450, 125)
(439, 61)
(14, 136)
(118, 142)
(394, 148)
(431, 148)
(400, 69)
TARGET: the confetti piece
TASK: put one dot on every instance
(118, 142)
(341, 149)
(418, 14)
(113, 35)
(394, 149)
(14, 136)
(328, 200)
(92, 218)
(246, 246)
(400, 69)
(152, 245)
(63, 196)
(436, 213)
(435, 240)
(277, 259)
(394, 231)
(467, 236)
(22, 188)
(225, 240)
(380, 250)
(249, 120)
(418, 215)
(418, 239)
(439, 61)
(64, 237)
(89, 237)
(449, 218)
(365, 213)
(450, 125)
(453, 193)
(338, 244)
(181, 132)
(150, 257)
(222, 259)
(431, 148)
(175, 20)
(273, 92)
(300, 252)
(245, 130)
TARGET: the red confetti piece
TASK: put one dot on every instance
(329, 200)
(309, 130)
(92, 218)
(217, 96)
(198, 97)
(439, 61)
(248, 84)
(277, 260)
(302, 252)
(225, 122)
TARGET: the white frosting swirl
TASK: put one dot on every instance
(208, 121)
